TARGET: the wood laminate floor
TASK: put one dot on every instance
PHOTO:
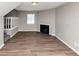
(35, 44)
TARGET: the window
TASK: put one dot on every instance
(30, 18)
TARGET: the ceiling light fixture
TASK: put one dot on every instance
(34, 3)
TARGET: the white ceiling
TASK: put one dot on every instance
(27, 6)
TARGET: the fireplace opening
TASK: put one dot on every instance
(44, 29)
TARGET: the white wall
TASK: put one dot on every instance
(1, 31)
(47, 17)
(67, 24)
(23, 26)
(6, 7)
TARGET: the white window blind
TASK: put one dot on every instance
(30, 18)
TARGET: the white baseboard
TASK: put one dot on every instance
(1, 46)
(52, 34)
(77, 52)
(13, 35)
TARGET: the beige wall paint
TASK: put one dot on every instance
(67, 24)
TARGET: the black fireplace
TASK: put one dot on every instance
(44, 29)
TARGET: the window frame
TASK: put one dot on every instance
(28, 22)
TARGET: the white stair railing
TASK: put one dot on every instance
(11, 25)
(10, 22)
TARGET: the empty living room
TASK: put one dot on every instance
(39, 28)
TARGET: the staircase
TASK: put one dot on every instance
(5, 7)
